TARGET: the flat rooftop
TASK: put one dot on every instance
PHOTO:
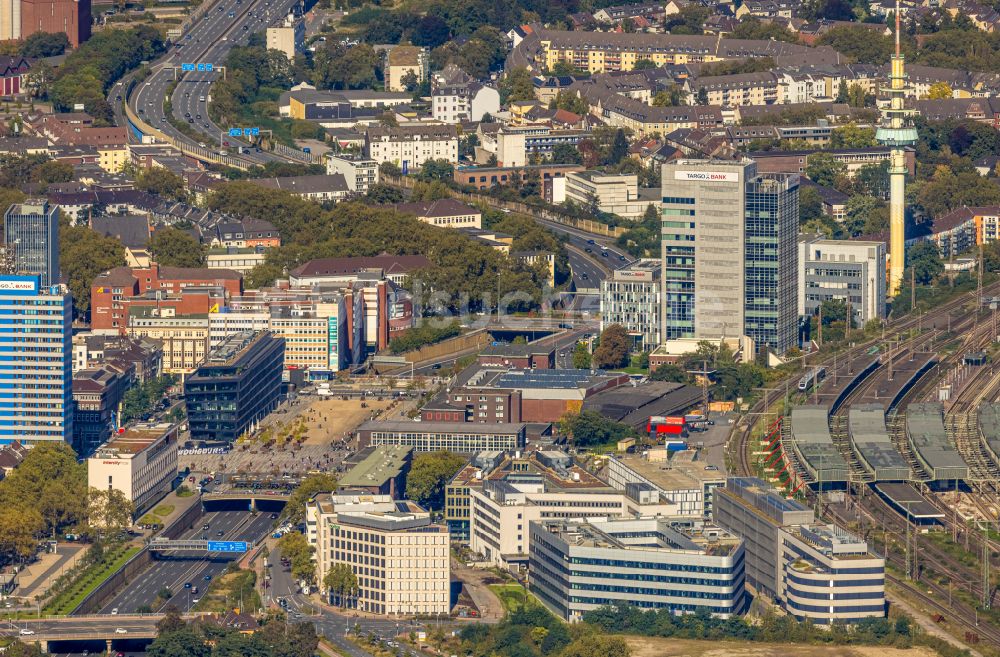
(812, 441)
(134, 439)
(383, 463)
(906, 498)
(458, 428)
(643, 534)
(926, 433)
(677, 473)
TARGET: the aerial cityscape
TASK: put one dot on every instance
(499, 329)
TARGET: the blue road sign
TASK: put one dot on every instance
(228, 546)
(208, 67)
(201, 67)
(187, 67)
(251, 132)
(235, 132)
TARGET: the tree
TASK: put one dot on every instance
(171, 621)
(669, 372)
(341, 582)
(823, 169)
(810, 204)
(865, 215)
(619, 148)
(182, 642)
(296, 549)
(44, 44)
(83, 254)
(19, 527)
(669, 98)
(171, 247)
(516, 85)
(924, 259)
(702, 96)
(571, 102)
(429, 474)
(852, 136)
(161, 181)
(644, 64)
(589, 428)
(565, 154)
(109, 511)
(613, 349)
(437, 170)
(295, 509)
(51, 483)
(431, 32)
(860, 43)
(581, 357)
(939, 91)
(590, 645)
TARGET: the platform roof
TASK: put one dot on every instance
(928, 438)
(906, 498)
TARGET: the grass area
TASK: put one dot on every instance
(229, 590)
(89, 579)
(163, 510)
(675, 647)
(184, 491)
(514, 596)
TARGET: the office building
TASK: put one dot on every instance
(576, 566)
(377, 471)
(37, 356)
(852, 271)
(817, 572)
(400, 558)
(97, 393)
(558, 470)
(31, 234)
(141, 462)
(616, 193)
(238, 386)
(631, 298)
(686, 483)
(185, 339)
(729, 253)
(436, 436)
(500, 510)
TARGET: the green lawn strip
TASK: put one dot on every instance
(513, 596)
(88, 581)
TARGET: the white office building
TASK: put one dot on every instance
(141, 463)
(848, 270)
(631, 298)
(400, 558)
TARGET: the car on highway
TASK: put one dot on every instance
(121, 630)
(220, 533)
(208, 578)
(190, 120)
(604, 254)
(621, 257)
(26, 632)
(588, 250)
(187, 115)
(584, 276)
(114, 612)
(591, 242)
(187, 585)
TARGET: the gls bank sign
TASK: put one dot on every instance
(707, 176)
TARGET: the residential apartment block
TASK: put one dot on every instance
(408, 147)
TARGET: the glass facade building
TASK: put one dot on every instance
(239, 384)
(36, 361)
(728, 247)
(32, 235)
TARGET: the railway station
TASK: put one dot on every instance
(909, 503)
(888, 386)
(870, 441)
(813, 447)
(935, 453)
(989, 426)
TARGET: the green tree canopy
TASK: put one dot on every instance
(172, 247)
(83, 254)
(429, 473)
(589, 428)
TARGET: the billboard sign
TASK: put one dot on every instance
(707, 176)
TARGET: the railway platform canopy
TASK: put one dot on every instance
(908, 501)
(870, 441)
(989, 425)
(812, 443)
(937, 454)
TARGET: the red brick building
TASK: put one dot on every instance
(70, 16)
(184, 291)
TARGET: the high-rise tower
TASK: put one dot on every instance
(897, 132)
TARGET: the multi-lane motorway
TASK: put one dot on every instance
(225, 24)
(177, 569)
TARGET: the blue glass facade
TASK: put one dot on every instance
(36, 358)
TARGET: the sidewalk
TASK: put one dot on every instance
(35, 580)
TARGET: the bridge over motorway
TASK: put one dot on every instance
(253, 496)
(187, 545)
(93, 628)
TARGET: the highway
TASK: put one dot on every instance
(173, 572)
(208, 41)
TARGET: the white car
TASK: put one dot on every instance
(121, 630)
(26, 632)
(114, 612)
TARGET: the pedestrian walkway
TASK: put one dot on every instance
(35, 580)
